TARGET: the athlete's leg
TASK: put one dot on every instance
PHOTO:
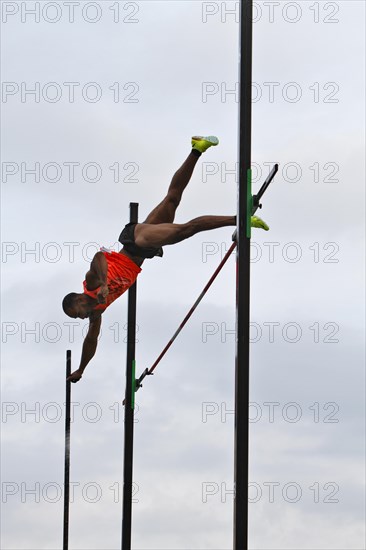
(165, 211)
(148, 235)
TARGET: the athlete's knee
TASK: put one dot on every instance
(173, 199)
(186, 230)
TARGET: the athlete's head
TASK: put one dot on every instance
(77, 305)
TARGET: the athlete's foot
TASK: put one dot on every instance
(257, 222)
(201, 143)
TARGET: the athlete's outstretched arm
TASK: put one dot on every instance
(99, 268)
(89, 347)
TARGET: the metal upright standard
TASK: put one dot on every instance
(129, 407)
(245, 204)
(67, 454)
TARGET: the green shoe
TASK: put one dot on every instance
(257, 222)
(201, 143)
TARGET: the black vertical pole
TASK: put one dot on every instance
(67, 454)
(241, 448)
(129, 407)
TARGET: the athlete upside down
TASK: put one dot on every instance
(112, 273)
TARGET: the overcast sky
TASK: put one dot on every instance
(119, 88)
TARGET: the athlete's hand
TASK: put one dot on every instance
(75, 376)
(102, 294)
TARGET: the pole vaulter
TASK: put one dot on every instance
(111, 274)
